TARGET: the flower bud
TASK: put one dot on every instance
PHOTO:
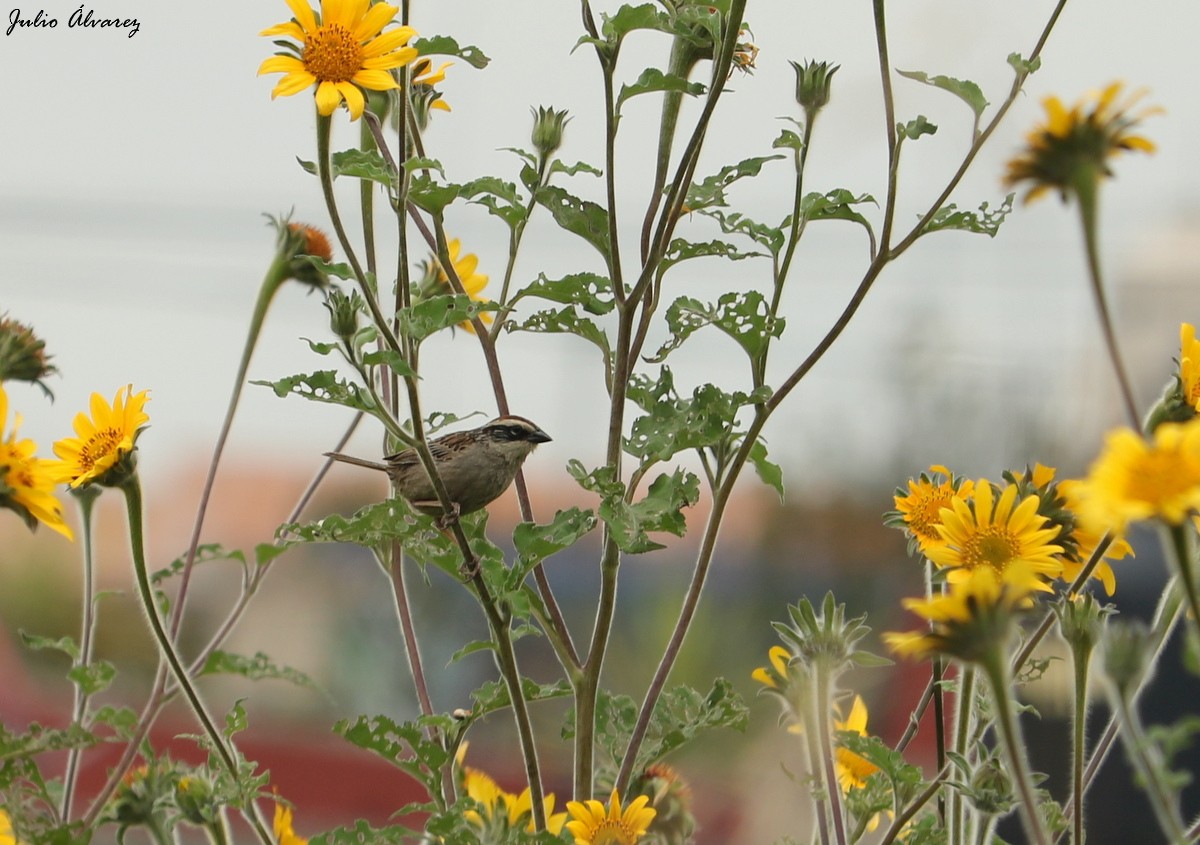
(991, 791)
(306, 243)
(22, 354)
(195, 800)
(1127, 647)
(548, 124)
(671, 798)
(343, 314)
(1081, 621)
(813, 80)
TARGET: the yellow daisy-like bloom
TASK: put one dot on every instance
(342, 51)
(424, 74)
(283, 827)
(972, 619)
(1087, 536)
(921, 508)
(1133, 479)
(483, 789)
(995, 535)
(472, 282)
(7, 835)
(776, 676)
(1189, 365)
(594, 824)
(27, 482)
(853, 769)
(1076, 143)
(520, 809)
(102, 441)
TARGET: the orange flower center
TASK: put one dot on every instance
(100, 445)
(332, 54)
(990, 545)
(926, 512)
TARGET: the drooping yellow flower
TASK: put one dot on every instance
(482, 789)
(594, 824)
(104, 440)
(971, 619)
(921, 507)
(283, 827)
(995, 534)
(341, 51)
(424, 74)
(1133, 479)
(1076, 143)
(520, 812)
(776, 675)
(472, 282)
(1087, 536)
(853, 769)
(26, 481)
(1189, 365)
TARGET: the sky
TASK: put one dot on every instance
(135, 173)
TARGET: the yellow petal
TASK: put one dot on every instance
(303, 14)
(328, 98)
(375, 80)
(291, 29)
(354, 98)
(280, 64)
(376, 18)
(293, 83)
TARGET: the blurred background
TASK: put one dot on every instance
(133, 179)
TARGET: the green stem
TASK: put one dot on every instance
(133, 500)
(995, 666)
(816, 770)
(276, 275)
(87, 499)
(824, 694)
(1149, 767)
(964, 705)
(1081, 659)
(904, 816)
(1086, 192)
(1179, 543)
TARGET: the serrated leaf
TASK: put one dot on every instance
(745, 317)
(430, 195)
(362, 833)
(444, 45)
(710, 192)
(653, 79)
(535, 542)
(440, 312)
(580, 217)
(660, 510)
(205, 553)
(93, 678)
(391, 359)
(493, 695)
(564, 320)
(985, 221)
(356, 163)
(500, 198)
(558, 166)
(629, 18)
(681, 250)
(770, 473)
(1024, 66)
(235, 720)
(838, 204)
(770, 237)
(916, 127)
(66, 645)
(256, 668)
(964, 89)
(323, 386)
(403, 744)
(591, 292)
(788, 140)
(123, 720)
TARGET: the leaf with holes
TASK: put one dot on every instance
(535, 542)
(711, 190)
(578, 216)
(985, 221)
(682, 250)
(745, 317)
(591, 292)
(770, 237)
(323, 386)
(444, 45)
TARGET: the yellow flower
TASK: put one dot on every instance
(594, 824)
(481, 788)
(1076, 143)
(921, 507)
(996, 536)
(775, 676)
(972, 619)
(521, 807)
(1087, 536)
(339, 53)
(27, 482)
(424, 74)
(104, 440)
(1189, 365)
(853, 769)
(472, 282)
(1133, 479)
(7, 834)
(283, 827)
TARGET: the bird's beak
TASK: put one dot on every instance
(538, 436)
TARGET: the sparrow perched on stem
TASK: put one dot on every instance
(476, 465)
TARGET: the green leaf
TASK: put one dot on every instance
(391, 359)
(403, 744)
(964, 89)
(986, 221)
(580, 217)
(1022, 66)
(535, 542)
(558, 166)
(123, 720)
(788, 140)
(205, 553)
(444, 45)
(94, 677)
(591, 292)
(614, 28)
(711, 190)
(363, 834)
(358, 164)
(37, 643)
(653, 79)
(256, 668)
(915, 128)
(500, 198)
(682, 250)
(440, 312)
(745, 317)
(323, 386)
(493, 696)
(770, 473)
(770, 237)
(565, 320)
(838, 204)
(660, 510)
(430, 195)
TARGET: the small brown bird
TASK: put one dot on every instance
(476, 465)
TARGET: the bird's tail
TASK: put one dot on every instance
(360, 462)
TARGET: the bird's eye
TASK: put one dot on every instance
(508, 433)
